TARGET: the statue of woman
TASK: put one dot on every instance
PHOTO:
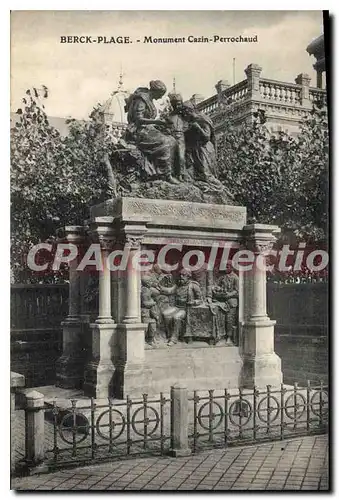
(200, 144)
(159, 148)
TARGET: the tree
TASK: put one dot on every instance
(280, 178)
(54, 179)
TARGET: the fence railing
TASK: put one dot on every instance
(225, 418)
(95, 432)
(210, 105)
(231, 95)
(179, 424)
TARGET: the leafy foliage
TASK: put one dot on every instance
(282, 179)
(54, 179)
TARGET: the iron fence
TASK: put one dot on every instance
(225, 418)
(97, 432)
(91, 431)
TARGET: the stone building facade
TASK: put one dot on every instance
(285, 104)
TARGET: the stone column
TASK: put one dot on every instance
(253, 72)
(131, 332)
(100, 369)
(70, 366)
(132, 297)
(304, 80)
(261, 366)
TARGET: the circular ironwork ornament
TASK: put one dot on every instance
(269, 413)
(74, 429)
(214, 416)
(118, 421)
(297, 408)
(145, 421)
(316, 405)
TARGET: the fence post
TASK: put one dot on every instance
(17, 382)
(34, 427)
(179, 421)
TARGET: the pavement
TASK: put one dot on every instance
(295, 464)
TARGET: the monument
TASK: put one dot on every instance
(163, 319)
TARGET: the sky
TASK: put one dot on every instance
(79, 76)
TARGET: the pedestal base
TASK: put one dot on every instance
(260, 371)
(261, 365)
(196, 367)
(99, 372)
(180, 453)
(70, 365)
(130, 370)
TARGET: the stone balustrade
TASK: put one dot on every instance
(286, 93)
(209, 106)
(276, 98)
(317, 95)
(237, 93)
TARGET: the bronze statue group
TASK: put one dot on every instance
(177, 148)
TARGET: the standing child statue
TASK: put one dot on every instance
(177, 127)
(200, 145)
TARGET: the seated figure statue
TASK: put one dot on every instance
(144, 128)
(187, 294)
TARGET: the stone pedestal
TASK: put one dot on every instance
(70, 366)
(130, 363)
(261, 366)
(99, 370)
(145, 222)
(118, 363)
